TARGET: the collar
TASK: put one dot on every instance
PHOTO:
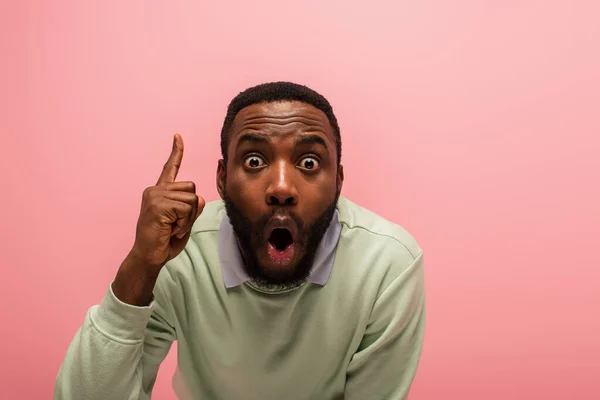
(232, 265)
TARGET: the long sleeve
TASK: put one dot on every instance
(117, 351)
(386, 362)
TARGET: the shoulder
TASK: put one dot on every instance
(374, 227)
(386, 242)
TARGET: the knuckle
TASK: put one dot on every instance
(170, 165)
(154, 203)
(190, 187)
(149, 196)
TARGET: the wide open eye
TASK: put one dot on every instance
(254, 162)
(309, 163)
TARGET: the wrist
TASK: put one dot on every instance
(134, 283)
(138, 258)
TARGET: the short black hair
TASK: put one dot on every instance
(278, 91)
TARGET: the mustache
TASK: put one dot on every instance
(259, 228)
(281, 212)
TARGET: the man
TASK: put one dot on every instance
(282, 290)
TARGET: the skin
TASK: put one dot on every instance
(289, 168)
(282, 161)
(167, 214)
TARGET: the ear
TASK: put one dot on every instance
(340, 179)
(221, 178)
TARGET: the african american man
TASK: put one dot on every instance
(282, 289)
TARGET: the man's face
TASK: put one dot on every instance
(280, 187)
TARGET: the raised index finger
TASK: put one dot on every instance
(169, 172)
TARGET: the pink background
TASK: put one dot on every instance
(475, 124)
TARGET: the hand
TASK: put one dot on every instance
(168, 212)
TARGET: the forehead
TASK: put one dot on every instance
(281, 117)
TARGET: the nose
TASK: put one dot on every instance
(282, 189)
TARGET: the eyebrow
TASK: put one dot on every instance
(251, 137)
(312, 139)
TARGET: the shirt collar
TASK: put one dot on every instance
(232, 266)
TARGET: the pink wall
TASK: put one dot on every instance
(475, 124)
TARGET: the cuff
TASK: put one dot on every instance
(121, 321)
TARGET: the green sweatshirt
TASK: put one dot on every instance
(357, 336)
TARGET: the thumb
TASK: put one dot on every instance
(201, 204)
(179, 231)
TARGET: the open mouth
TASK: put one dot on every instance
(281, 249)
(281, 238)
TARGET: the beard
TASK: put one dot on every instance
(251, 237)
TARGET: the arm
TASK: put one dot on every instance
(117, 351)
(386, 362)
